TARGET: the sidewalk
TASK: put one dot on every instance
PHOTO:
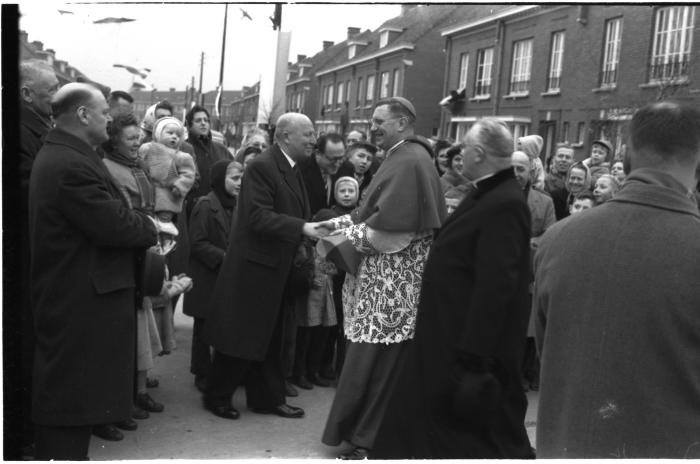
(185, 430)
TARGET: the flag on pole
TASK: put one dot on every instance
(217, 101)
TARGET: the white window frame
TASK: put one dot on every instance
(383, 39)
(329, 95)
(358, 101)
(463, 70)
(484, 70)
(369, 89)
(384, 84)
(673, 36)
(521, 67)
(348, 87)
(339, 93)
(352, 51)
(556, 60)
(611, 52)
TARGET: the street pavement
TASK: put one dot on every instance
(185, 430)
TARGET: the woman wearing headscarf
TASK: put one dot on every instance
(453, 173)
(531, 145)
(210, 224)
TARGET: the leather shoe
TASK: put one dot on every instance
(302, 382)
(144, 401)
(152, 383)
(283, 410)
(356, 454)
(107, 432)
(138, 413)
(320, 381)
(289, 389)
(128, 424)
(225, 412)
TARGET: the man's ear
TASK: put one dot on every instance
(403, 124)
(82, 115)
(26, 94)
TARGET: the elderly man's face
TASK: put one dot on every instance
(41, 91)
(354, 137)
(385, 127)
(301, 139)
(97, 115)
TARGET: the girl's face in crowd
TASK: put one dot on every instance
(346, 194)
(603, 190)
(128, 142)
(577, 179)
(232, 181)
(442, 159)
(171, 136)
(618, 171)
(458, 163)
(258, 141)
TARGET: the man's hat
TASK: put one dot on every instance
(603, 143)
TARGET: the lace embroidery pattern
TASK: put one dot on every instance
(380, 303)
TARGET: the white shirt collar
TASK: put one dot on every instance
(292, 163)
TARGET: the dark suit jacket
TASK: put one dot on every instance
(473, 312)
(272, 209)
(315, 187)
(209, 231)
(84, 243)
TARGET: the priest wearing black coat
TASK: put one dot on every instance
(458, 394)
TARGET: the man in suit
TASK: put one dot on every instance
(459, 394)
(617, 319)
(85, 243)
(246, 322)
(38, 84)
(319, 170)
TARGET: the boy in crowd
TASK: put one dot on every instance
(582, 201)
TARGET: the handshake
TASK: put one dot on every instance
(318, 230)
(177, 286)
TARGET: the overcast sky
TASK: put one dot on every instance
(168, 38)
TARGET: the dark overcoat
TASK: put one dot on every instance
(474, 305)
(267, 229)
(315, 187)
(84, 242)
(209, 231)
(618, 326)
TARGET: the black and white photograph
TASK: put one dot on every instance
(350, 230)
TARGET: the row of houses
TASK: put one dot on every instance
(571, 73)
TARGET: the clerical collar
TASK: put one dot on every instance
(394, 147)
(292, 163)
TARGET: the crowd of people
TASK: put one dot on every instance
(422, 278)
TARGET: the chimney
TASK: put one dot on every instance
(52, 52)
(38, 45)
(327, 44)
(301, 58)
(352, 31)
(172, 89)
(23, 37)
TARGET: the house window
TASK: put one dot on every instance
(369, 94)
(484, 65)
(359, 91)
(673, 35)
(581, 133)
(329, 95)
(384, 84)
(396, 83)
(383, 39)
(522, 61)
(564, 132)
(347, 90)
(555, 62)
(340, 93)
(519, 130)
(301, 71)
(611, 52)
(352, 50)
(463, 65)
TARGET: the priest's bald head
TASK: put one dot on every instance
(81, 110)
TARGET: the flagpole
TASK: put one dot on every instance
(220, 90)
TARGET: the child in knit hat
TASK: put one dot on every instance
(598, 162)
(531, 145)
(171, 171)
(346, 194)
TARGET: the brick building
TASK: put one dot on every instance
(35, 50)
(182, 99)
(571, 73)
(403, 57)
